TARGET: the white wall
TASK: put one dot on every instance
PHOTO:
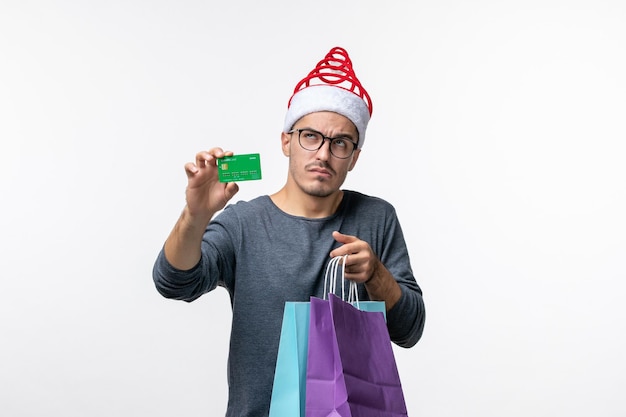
(498, 133)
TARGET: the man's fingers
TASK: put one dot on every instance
(231, 189)
(203, 159)
(190, 169)
(340, 237)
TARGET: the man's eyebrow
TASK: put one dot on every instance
(338, 136)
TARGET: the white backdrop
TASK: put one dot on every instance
(498, 133)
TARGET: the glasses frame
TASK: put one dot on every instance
(324, 139)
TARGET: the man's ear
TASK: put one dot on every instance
(355, 157)
(285, 140)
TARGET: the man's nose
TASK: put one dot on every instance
(325, 150)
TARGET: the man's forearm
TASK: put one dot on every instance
(383, 287)
(183, 245)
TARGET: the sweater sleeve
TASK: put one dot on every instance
(405, 320)
(214, 268)
(186, 285)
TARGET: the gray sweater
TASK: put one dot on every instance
(264, 257)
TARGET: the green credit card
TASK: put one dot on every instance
(239, 168)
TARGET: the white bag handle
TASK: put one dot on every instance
(330, 280)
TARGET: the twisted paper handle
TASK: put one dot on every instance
(330, 280)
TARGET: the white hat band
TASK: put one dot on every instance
(316, 98)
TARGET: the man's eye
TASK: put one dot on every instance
(310, 135)
(340, 143)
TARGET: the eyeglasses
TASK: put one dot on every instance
(340, 147)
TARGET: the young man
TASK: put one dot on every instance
(275, 248)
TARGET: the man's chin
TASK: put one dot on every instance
(320, 189)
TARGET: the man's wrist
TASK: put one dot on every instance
(195, 222)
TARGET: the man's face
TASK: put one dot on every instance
(319, 173)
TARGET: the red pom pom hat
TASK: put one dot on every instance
(331, 86)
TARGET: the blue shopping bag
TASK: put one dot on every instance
(288, 391)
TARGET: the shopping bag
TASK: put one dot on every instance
(288, 391)
(289, 388)
(351, 369)
(368, 363)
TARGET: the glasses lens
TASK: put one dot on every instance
(310, 140)
(341, 148)
(313, 141)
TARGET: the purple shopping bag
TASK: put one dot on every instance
(351, 369)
